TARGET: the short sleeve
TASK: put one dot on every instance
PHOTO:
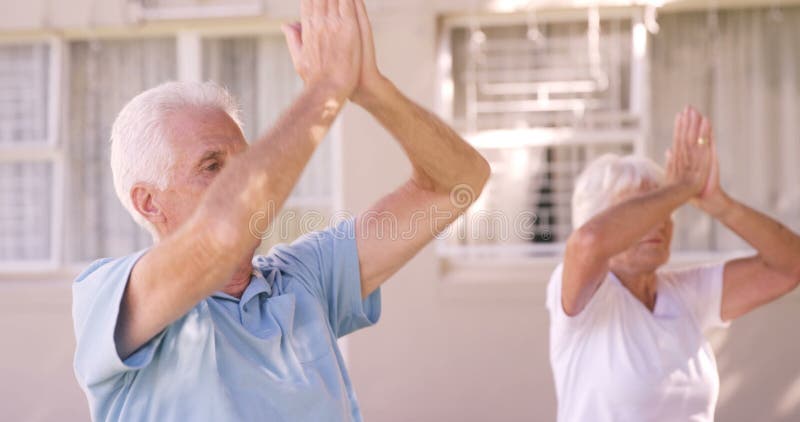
(97, 294)
(553, 301)
(327, 263)
(700, 289)
(555, 306)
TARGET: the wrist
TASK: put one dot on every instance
(373, 92)
(717, 205)
(684, 189)
(327, 90)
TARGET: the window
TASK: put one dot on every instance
(539, 96)
(103, 76)
(29, 159)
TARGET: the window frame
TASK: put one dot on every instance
(50, 151)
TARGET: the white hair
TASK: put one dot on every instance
(605, 178)
(139, 151)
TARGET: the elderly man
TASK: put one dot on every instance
(195, 328)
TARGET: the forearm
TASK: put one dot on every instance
(620, 226)
(778, 246)
(255, 184)
(440, 157)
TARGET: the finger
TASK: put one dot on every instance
(364, 25)
(712, 144)
(293, 41)
(347, 9)
(705, 129)
(694, 128)
(679, 145)
(686, 136)
(333, 8)
(711, 139)
(320, 8)
(677, 130)
(306, 13)
(687, 125)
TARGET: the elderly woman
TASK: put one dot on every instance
(627, 338)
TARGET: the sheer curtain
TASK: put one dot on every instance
(741, 67)
(103, 76)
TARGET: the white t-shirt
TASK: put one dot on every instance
(617, 361)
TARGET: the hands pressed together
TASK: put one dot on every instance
(692, 160)
(332, 47)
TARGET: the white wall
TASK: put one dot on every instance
(36, 346)
(470, 347)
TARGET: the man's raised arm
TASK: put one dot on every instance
(448, 174)
(202, 255)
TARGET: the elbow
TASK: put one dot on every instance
(484, 171)
(479, 177)
(796, 276)
(463, 187)
(584, 243)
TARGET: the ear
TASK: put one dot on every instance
(142, 197)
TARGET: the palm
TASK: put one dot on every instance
(712, 185)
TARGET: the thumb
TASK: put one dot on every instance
(293, 34)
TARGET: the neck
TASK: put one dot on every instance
(643, 286)
(239, 280)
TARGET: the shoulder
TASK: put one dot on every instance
(109, 267)
(605, 292)
(310, 251)
(684, 277)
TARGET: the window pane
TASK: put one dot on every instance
(526, 206)
(25, 211)
(546, 75)
(23, 93)
(104, 76)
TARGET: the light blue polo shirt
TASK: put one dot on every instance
(271, 356)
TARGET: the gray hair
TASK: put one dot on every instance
(607, 177)
(139, 151)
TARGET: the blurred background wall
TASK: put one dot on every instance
(540, 87)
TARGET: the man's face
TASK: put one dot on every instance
(202, 141)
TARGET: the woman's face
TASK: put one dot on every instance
(649, 252)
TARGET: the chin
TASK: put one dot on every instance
(652, 260)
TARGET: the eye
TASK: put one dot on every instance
(213, 167)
